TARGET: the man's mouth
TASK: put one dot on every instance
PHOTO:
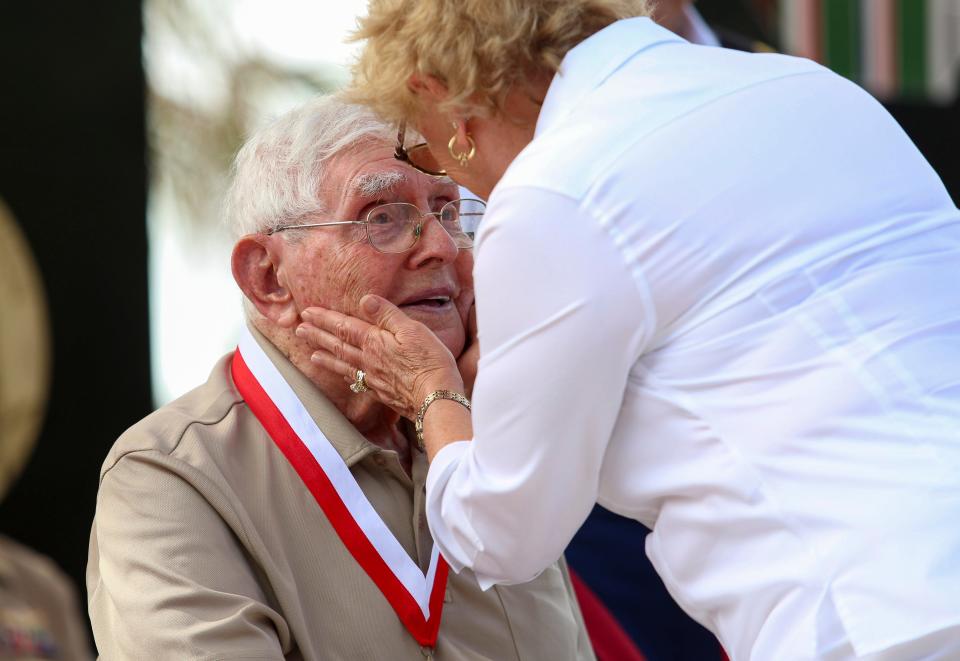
(432, 301)
(435, 302)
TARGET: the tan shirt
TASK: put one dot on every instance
(207, 545)
(40, 616)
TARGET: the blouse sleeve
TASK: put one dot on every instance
(562, 320)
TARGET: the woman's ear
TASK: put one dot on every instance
(462, 132)
(429, 87)
(255, 263)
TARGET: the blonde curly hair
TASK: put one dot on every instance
(479, 49)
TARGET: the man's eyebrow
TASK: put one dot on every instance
(375, 183)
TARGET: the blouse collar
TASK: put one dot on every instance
(588, 64)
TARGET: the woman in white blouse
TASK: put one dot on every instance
(716, 292)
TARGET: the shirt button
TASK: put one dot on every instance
(379, 460)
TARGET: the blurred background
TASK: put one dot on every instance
(118, 123)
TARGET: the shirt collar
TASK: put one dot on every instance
(343, 436)
(588, 64)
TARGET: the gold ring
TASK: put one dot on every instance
(359, 385)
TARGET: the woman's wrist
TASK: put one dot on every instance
(437, 398)
(445, 421)
(448, 379)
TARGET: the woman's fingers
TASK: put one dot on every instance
(330, 343)
(333, 335)
(377, 386)
(350, 330)
(472, 322)
(382, 313)
(333, 364)
(403, 360)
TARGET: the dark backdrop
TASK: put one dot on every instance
(72, 170)
(936, 131)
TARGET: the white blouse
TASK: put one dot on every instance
(718, 293)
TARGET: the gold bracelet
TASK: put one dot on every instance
(431, 398)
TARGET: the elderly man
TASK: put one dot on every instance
(277, 512)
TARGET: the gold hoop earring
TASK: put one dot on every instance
(462, 157)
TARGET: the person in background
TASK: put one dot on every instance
(277, 512)
(39, 613)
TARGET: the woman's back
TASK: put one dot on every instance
(790, 429)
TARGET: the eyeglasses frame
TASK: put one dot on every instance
(418, 230)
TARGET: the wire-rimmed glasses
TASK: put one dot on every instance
(397, 226)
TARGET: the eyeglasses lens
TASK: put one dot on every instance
(461, 218)
(419, 156)
(392, 227)
(422, 159)
(395, 227)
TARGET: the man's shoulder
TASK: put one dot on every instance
(200, 411)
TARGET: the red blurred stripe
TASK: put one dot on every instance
(610, 641)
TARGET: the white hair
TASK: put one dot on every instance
(278, 171)
(375, 183)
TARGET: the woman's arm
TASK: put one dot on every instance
(561, 321)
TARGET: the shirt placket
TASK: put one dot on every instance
(421, 532)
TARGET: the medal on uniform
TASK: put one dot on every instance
(416, 597)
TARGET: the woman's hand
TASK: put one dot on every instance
(468, 360)
(402, 359)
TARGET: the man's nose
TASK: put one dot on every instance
(435, 243)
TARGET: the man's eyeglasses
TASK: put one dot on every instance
(397, 226)
(418, 157)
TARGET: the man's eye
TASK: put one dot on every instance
(380, 218)
(449, 215)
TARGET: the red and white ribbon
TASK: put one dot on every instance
(416, 598)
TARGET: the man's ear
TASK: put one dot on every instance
(255, 263)
(431, 88)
